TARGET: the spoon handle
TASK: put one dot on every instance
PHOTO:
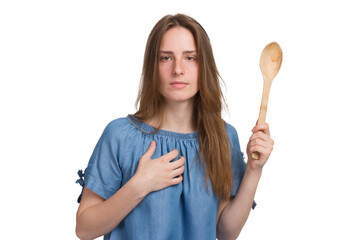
(263, 109)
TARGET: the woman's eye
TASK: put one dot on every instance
(165, 58)
(191, 58)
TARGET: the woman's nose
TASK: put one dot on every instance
(178, 68)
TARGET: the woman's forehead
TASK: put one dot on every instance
(178, 38)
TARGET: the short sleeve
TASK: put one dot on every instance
(237, 160)
(103, 174)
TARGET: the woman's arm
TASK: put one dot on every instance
(97, 216)
(234, 212)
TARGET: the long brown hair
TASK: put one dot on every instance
(214, 150)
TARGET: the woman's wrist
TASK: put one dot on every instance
(138, 187)
(255, 172)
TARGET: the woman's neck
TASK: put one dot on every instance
(178, 117)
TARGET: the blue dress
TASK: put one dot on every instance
(183, 211)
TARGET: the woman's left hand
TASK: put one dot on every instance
(261, 142)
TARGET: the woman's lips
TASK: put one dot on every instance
(179, 85)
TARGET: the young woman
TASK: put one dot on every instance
(173, 169)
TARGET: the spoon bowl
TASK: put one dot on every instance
(270, 63)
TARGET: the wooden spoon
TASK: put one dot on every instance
(270, 63)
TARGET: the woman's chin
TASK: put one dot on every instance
(180, 99)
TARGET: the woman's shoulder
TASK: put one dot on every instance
(231, 130)
(118, 123)
(118, 127)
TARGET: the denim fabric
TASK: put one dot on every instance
(183, 211)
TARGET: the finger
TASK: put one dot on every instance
(259, 142)
(150, 150)
(178, 171)
(259, 149)
(176, 180)
(170, 155)
(260, 135)
(264, 127)
(178, 163)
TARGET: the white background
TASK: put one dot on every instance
(67, 68)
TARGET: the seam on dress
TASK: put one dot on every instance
(131, 121)
(99, 182)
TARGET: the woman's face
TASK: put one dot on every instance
(178, 66)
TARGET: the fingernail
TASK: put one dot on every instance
(152, 143)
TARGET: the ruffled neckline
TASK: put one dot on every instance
(147, 129)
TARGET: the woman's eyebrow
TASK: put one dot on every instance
(187, 52)
(184, 52)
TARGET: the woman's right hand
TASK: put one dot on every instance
(159, 173)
